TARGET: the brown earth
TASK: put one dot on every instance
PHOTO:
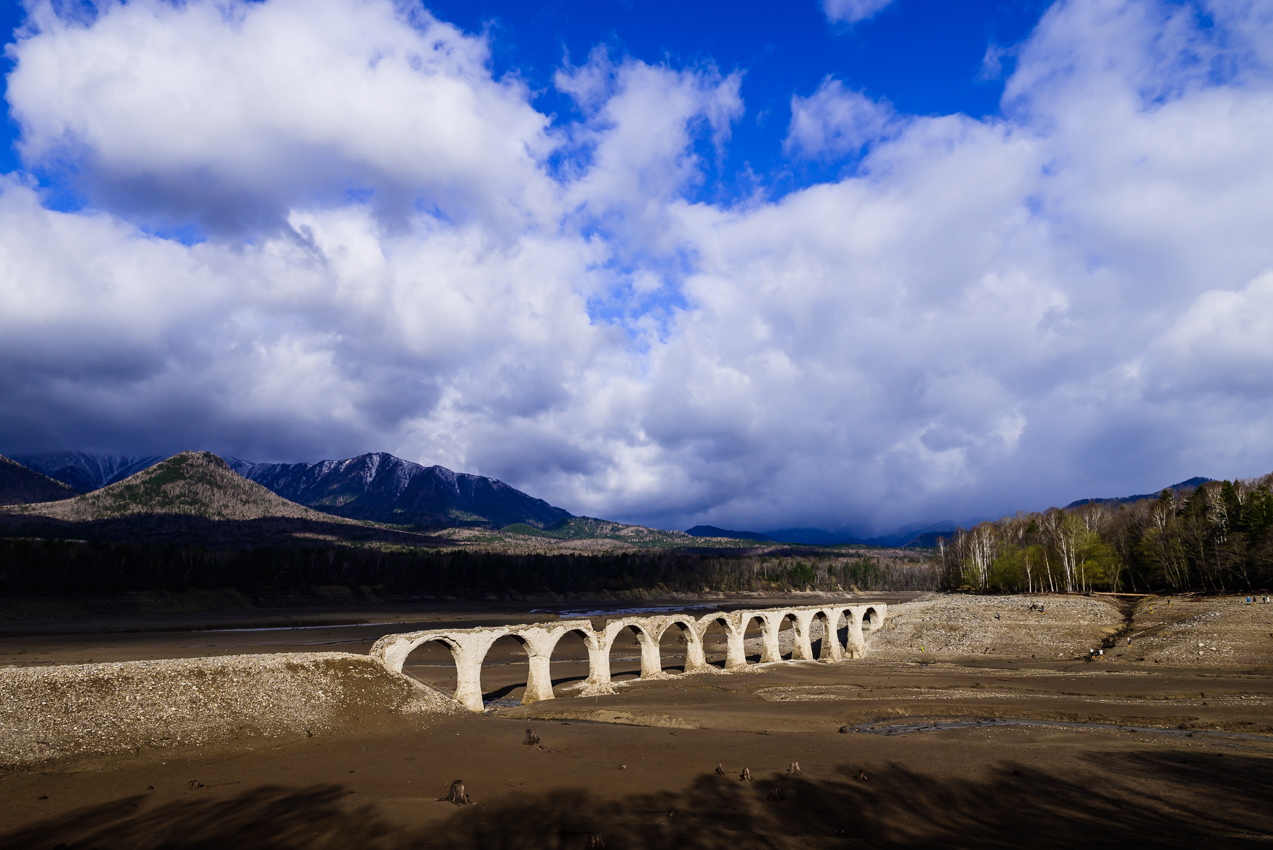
(1172, 751)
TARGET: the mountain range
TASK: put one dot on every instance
(916, 534)
(383, 488)
(193, 498)
(377, 487)
(21, 486)
(1189, 484)
(84, 472)
(923, 534)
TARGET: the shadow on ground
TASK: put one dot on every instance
(1127, 799)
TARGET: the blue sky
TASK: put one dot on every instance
(845, 265)
(924, 56)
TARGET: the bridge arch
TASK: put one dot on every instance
(526, 643)
(591, 642)
(872, 618)
(735, 651)
(641, 629)
(770, 621)
(686, 628)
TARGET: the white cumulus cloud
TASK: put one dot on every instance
(835, 121)
(230, 113)
(1067, 299)
(852, 11)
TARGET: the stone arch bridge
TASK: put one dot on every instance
(470, 646)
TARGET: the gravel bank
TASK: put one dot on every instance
(53, 713)
(940, 628)
(1201, 631)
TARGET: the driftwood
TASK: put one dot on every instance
(720, 771)
(794, 770)
(456, 794)
(746, 777)
(531, 738)
(862, 777)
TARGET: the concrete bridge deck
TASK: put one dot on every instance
(809, 623)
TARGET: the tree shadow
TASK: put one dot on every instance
(1138, 799)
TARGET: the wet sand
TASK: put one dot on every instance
(1119, 752)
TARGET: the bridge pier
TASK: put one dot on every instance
(802, 645)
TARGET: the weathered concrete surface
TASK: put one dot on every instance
(470, 646)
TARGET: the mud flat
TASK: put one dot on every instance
(1156, 744)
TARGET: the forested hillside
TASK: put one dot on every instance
(1215, 538)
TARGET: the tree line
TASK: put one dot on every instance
(78, 567)
(1216, 538)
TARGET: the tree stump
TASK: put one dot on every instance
(456, 794)
(794, 770)
(775, 795)
(595, 842)
(720, 771)
(531, 738)
(746, 777)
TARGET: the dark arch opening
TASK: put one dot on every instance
(433, 663)
(569, 662)
(716, 643)
(625, 655)
(505, 671)
(870, 620)
(843, 619)
(674, 646)
(753, 639)
(787, 637)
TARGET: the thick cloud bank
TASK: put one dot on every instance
(396, 251)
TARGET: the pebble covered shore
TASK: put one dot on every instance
(941, 627)
(53, 713)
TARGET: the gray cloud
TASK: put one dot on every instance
(1069, 300)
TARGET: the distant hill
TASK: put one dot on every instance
(22, 486)
(1188, 484)
(928, 539)
(86, 472)
(806, 536)
(713, 531)
(192, 499)
(583, 528)
(191, 483)
(916, 534)
(383, 488)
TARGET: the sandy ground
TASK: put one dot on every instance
(1153, 745)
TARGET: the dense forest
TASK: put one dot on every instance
(77, 567)
(1216, 538)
